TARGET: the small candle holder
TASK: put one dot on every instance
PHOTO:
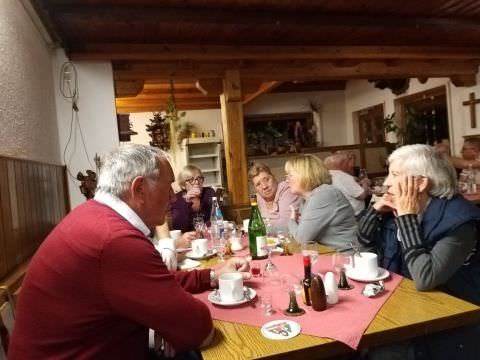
(293, 308)
(343, 282)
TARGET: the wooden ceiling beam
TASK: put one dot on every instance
(105, 15)
(165, 52)
(128, 88)
(265, 88)
(296, 70)
(464, 80)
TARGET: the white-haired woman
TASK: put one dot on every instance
(193, 201)
(423, 230)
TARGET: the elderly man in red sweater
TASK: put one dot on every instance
(97, 284)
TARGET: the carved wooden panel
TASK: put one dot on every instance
(33, 199)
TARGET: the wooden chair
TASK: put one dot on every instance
(6, 322)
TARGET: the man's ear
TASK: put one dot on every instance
(138, 188)
(423, 183)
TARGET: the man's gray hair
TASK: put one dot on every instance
(423, 160)
(121, 166)
(335, 161)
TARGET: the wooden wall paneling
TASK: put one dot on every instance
(13, 243)
(37, 204)
(33, 199)
(47, 202)
(24, 218)
(56, 208)
(4, 202)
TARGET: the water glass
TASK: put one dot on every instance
(266, 304)
(311, 250)
(340, 260)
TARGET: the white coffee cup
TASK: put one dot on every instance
(366, 264)
(246, 222)
(231, 287)
(175, 234)
(200, 247)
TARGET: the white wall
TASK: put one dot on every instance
(97, 119)
(332, 113)
(28, 127)
(361, 94)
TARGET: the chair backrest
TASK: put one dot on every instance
(7, 320)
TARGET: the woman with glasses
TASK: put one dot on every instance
(193, 201)
(326, 215)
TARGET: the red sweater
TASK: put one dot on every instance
(96, 285)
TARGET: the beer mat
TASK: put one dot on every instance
(281, 329)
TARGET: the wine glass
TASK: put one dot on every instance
(270, 265)
(199, 226)
(310, 249)
(219, 246)
(341, 260)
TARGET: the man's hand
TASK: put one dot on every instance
(185, 241)
(235, 264)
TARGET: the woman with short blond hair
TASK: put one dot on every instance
(194, 200)
(326, 215)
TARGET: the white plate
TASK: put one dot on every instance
(382, 274)
(215, 299)
(187, 264)
(194, 256)
(281, 329)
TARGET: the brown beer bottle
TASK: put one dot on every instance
(319, 298)
(307, 280)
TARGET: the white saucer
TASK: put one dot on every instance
(194, 256)
(215, 299)
(187, 264)
(382, 274)
(281, 329)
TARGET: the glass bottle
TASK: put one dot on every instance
(216, 220)
(318, 295)
(257, 233)
(307, 279)
(471, 185)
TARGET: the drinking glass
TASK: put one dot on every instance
(199, 226)
(340, 260)
(219, 245)
(291, 282)
(255, 269)
(310, 249)
(266, 304)
(270, 265)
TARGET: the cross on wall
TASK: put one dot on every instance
(471, 102)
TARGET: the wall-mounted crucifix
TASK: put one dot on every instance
(472, 103)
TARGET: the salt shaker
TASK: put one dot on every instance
(331, 288)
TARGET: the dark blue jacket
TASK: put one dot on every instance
(439, 220)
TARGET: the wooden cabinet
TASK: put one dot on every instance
(371, 125)
(206, 154)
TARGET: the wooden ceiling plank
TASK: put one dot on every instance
(265, 88)
(287, 71)
(211, 52)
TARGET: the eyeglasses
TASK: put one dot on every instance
(198, 179)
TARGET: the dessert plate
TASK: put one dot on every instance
(214, 298)
(382, 274)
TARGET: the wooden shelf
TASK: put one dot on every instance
(202, 156)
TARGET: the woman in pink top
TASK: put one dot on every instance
(274, 198)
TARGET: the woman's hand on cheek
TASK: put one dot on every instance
(408, 195)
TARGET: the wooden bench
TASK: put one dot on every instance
(12, 283)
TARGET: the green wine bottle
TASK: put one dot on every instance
(257, 233)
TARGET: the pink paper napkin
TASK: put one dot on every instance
(345, 321)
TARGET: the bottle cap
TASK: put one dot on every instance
(214, 198)
(306, 260)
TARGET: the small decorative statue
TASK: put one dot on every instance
(88, 183)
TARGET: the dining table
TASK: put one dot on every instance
(407, 313)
